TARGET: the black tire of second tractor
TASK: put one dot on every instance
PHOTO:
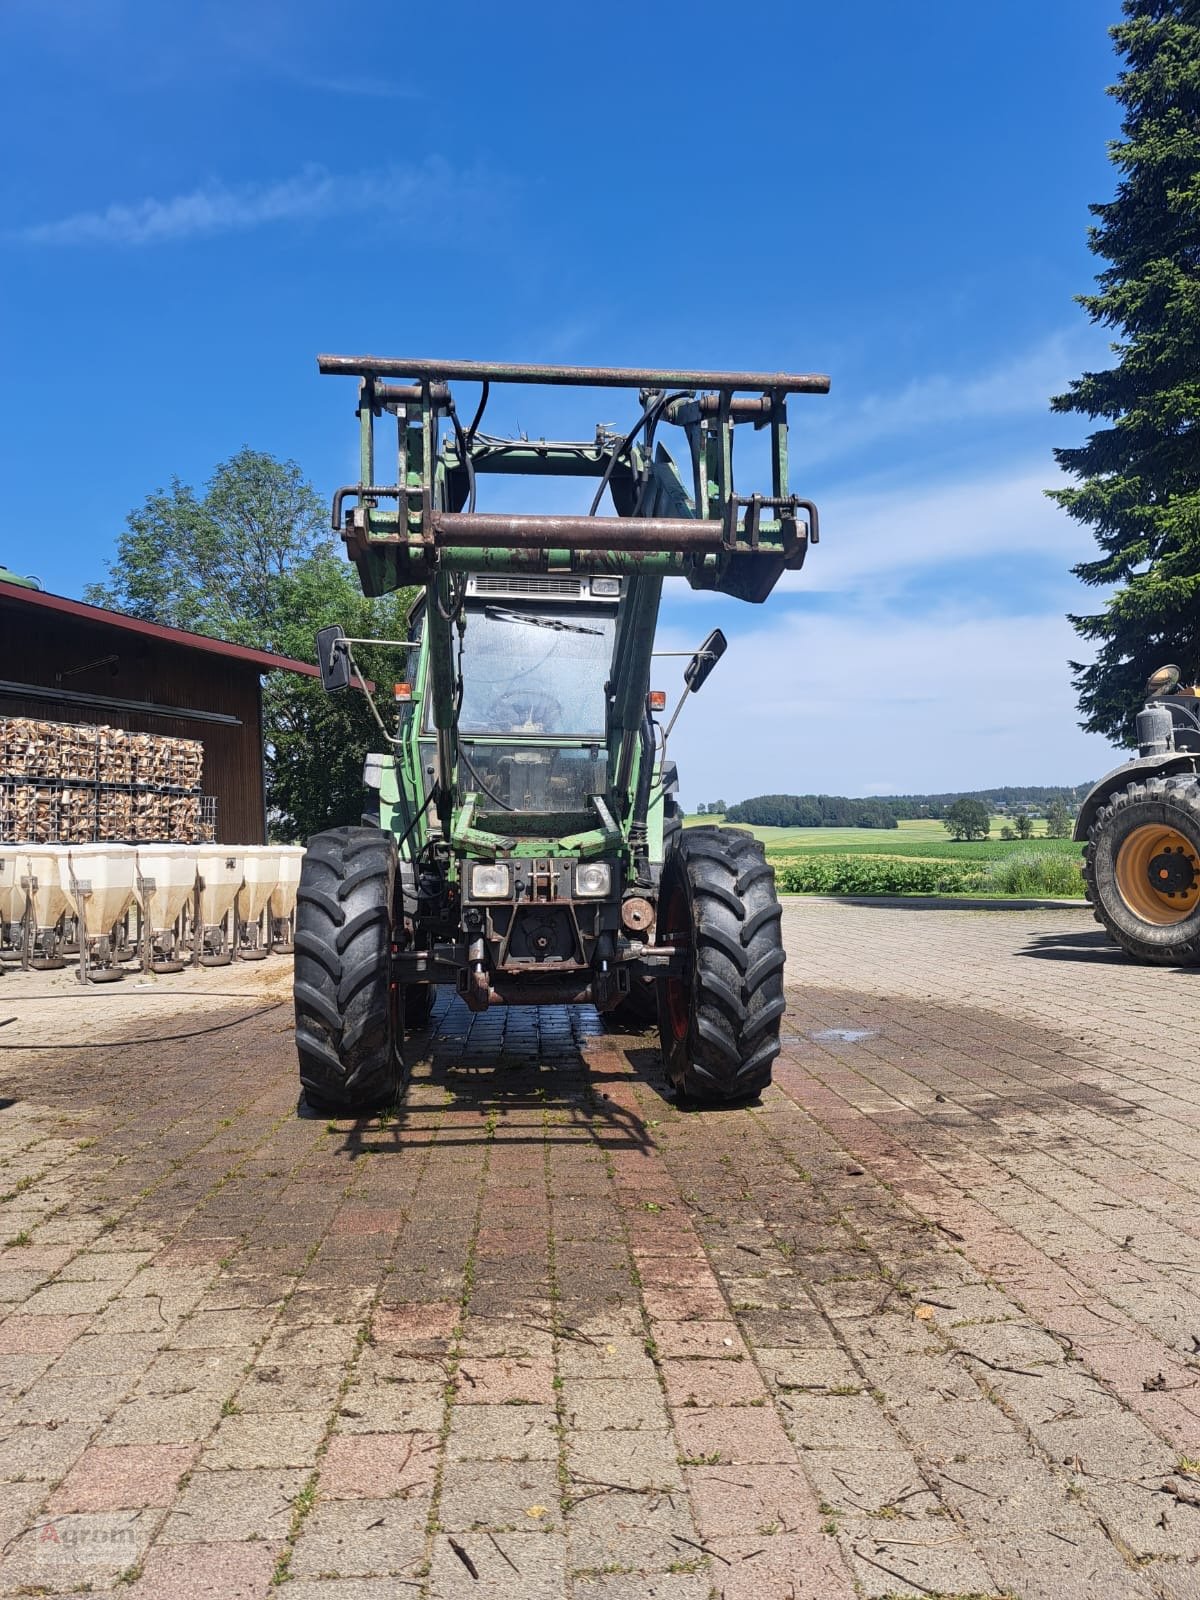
(349, 1032)
(1171, 802)
(720, 1027)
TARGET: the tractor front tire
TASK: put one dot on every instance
(349, 1028)
(1141, 869)
(719, 1022)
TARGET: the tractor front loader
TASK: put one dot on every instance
(523, 843)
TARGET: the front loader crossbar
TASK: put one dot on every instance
(686, 520)
(487, 529)
(579, 377)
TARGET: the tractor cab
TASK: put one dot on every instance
(535, 658)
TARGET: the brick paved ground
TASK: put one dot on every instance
(926, 1321)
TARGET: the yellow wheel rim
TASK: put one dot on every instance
(1158, 874)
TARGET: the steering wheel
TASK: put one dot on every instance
(524, 711)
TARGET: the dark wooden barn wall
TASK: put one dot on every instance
(36, 646)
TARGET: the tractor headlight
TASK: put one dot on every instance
(491, 882)
(593, 879)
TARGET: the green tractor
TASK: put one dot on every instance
(524, 845)
(1140, 826)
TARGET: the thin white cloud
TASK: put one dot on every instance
(869, 537)
(869, 695)
(364, 88)
(311, 195)
(870, 702)
(1019, 386)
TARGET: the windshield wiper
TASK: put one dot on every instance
(500, 614)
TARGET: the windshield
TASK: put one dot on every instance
(539, 672)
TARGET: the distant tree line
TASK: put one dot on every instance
(811, 811)
(1057, 805)
(1037, 797)
(971, 819)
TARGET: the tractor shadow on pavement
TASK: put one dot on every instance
(647, 1063)
(1094, 947)
(514, 1063)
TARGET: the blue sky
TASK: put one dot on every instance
(206, 196)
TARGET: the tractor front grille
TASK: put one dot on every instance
(525, 586)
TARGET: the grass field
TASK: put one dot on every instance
(917, 858)
(926, 840)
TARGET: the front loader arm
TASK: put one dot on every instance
(445, 691)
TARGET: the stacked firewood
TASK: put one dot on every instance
(73, 783)
(175, 763)
(30, 748)
(42, 812)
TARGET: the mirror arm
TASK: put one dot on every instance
(674, 720)
(344, 645)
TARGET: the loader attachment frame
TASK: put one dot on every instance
(705, 531)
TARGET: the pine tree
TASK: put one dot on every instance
(1139, 474)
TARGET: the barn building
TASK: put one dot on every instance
(64, 661)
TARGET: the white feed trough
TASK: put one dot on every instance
(13, 868)
(260, 874)
(219, 876)
(100, 880)
(283, 900)
(164, 883)
(45, 874)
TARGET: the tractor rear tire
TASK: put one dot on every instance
(719, 1023)
(349, 1030)
(1141, 869)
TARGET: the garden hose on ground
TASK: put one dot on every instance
(162, 1038)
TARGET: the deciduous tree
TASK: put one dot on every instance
(968, 819)
(1058, 820)
(252, 560)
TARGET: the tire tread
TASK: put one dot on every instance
(348, 1056)
(737, 973)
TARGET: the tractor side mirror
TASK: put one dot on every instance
(1164, 681)
(333, 658)
(705, 659)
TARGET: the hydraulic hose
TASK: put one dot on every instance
(639, 835)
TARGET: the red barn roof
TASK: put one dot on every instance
(264, 660)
